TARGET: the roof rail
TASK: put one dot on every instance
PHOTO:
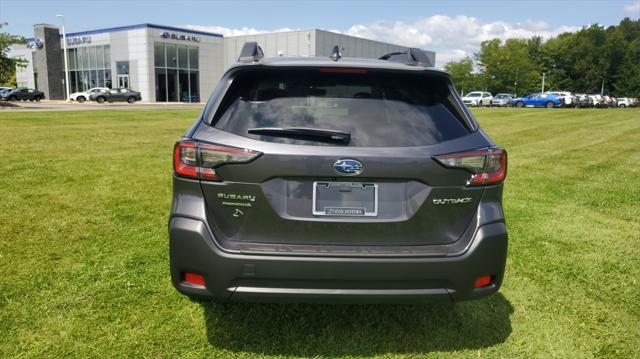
(251, 52)
(413, 57)
(336, 54)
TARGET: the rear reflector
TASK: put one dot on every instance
(193, 279)
(487, 166)
(483, 281)
(199, 160)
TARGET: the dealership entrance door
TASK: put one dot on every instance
(123, 81)
(122, 74)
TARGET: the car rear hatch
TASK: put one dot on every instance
(337, 157)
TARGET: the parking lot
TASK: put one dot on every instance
(45, 105)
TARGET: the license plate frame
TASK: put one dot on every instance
(345, 211)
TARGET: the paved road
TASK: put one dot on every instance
(74, 106)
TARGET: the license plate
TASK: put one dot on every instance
(345, 199)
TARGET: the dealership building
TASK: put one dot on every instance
(164, 63)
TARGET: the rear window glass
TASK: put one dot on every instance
(377, 109)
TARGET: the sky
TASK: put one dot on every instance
(453, 29)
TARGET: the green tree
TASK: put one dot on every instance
(8, 64)
(462, 73)
(583, 61)
(507, 66)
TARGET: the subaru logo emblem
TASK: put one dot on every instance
(348, 167)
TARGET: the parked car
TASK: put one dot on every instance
(625, 102)
(477, 99)
(502, 100)
(85, 95)
(289, 187)
(116, 95)
(538, 100)
(22, 94)
(567, 98)
(610, 101)
(598, 101)
(583, 101)
(4, 90)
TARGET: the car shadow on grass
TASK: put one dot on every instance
(327, 330)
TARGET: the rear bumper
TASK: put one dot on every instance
(248, 277)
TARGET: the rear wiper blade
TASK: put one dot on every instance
(304, 133)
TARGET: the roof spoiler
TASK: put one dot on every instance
(335, 53)
(251, 52)
(412, 57)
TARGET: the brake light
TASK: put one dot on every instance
(199, 160)
(342, 70)
(487, 166)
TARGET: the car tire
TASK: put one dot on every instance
(81, 99)
(13, 98)
(549, 104)
(100, 99)
(131, 99)
(37, 98)
(490, 103)
(623, 105)
(519, 104)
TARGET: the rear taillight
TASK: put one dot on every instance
(200, 160)
(487, 166)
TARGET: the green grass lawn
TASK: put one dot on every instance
(84, 200)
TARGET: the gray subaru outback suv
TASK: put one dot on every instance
(337, 180)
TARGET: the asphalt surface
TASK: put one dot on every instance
(44, 105)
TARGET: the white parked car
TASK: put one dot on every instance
(84, 96)
(598, 101)
(625, 102)
(478, 98)
(568, 98)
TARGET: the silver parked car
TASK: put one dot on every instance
(502, 100)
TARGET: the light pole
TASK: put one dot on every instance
(542, 82)
(66, 58)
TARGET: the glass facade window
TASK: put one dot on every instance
(85, 58)
(107, 57)
(72, 59)
(107, 78)
(161, 84)
(100, 57)
(176, 73)
(89, 66)
(193, 58)
(159, 54)
(183, 57)
(122, 67)
(172, 56)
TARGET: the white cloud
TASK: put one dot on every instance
(632, 8)
(233, 32)
(451, 37)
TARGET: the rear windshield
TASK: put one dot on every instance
(377, 109)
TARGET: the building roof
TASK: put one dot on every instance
(142, 26)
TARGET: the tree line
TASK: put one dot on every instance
(594, 59)
(8, 64)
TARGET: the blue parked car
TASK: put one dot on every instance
(538, 100)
